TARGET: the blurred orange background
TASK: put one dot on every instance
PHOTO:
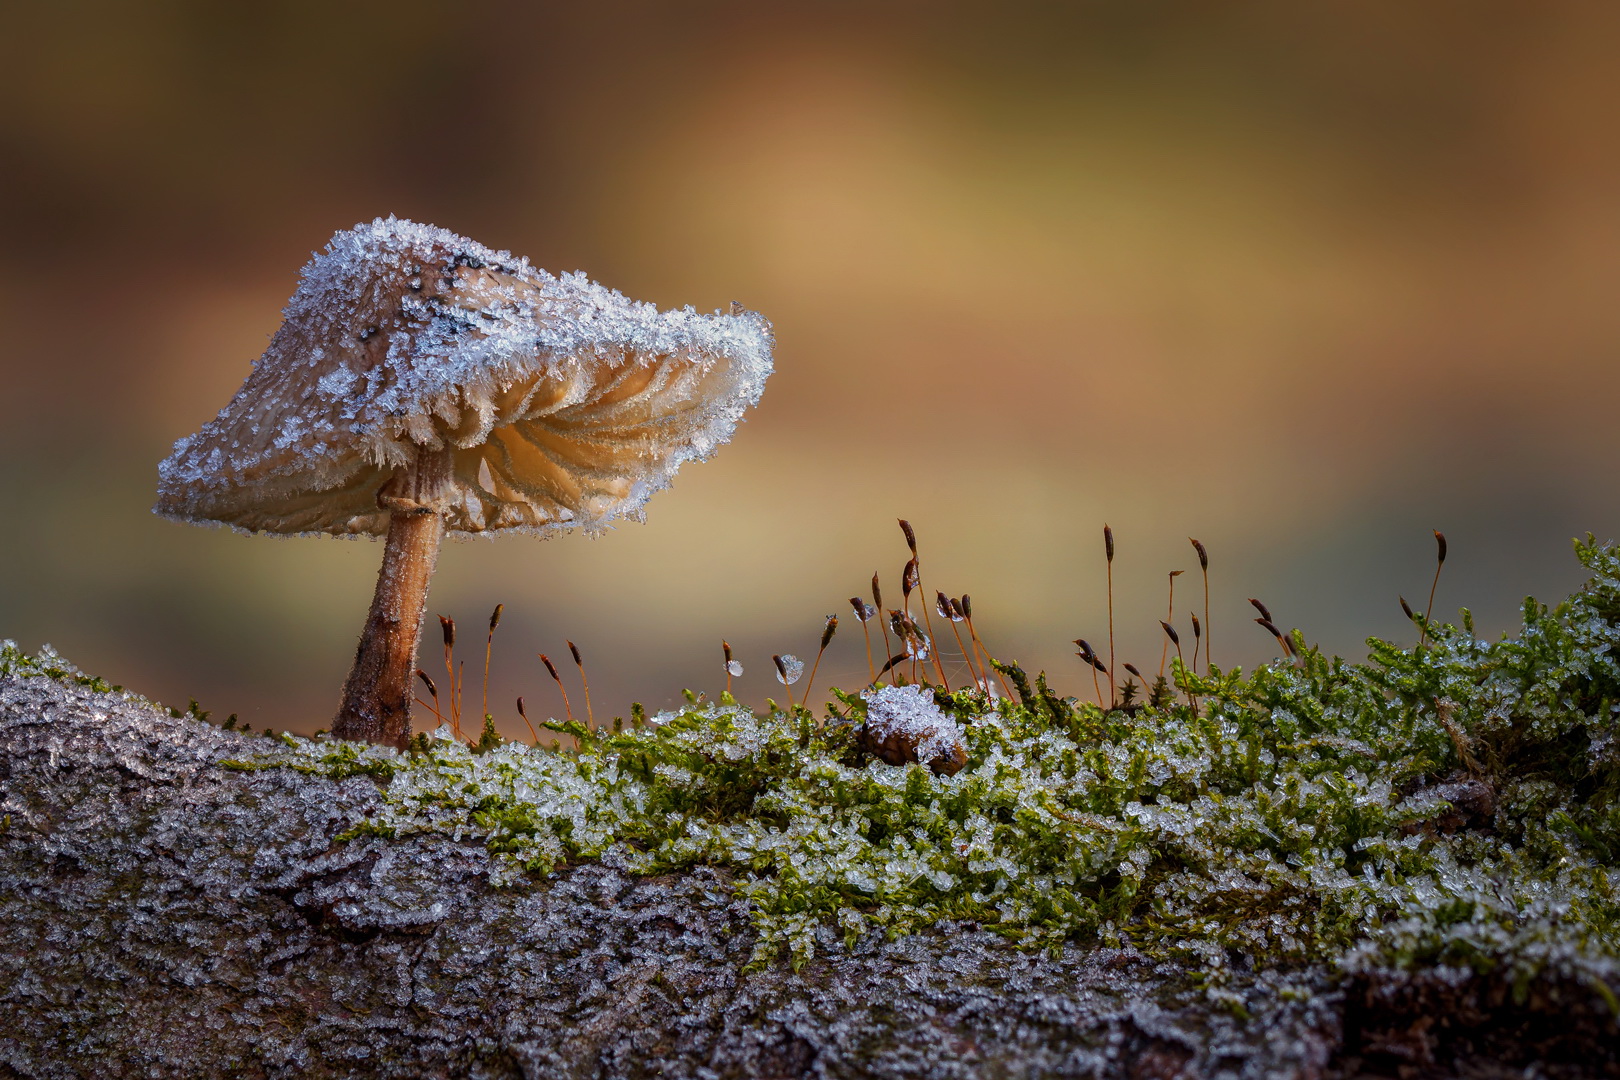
(1303, 281)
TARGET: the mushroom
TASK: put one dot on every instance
(421, 382)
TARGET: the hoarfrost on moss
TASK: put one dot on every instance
(1319, 812)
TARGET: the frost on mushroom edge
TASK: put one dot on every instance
(563, 403)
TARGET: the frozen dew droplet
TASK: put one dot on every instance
(792, 668)
(917, 646)
(734, 668)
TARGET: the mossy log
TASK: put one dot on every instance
(161, 916)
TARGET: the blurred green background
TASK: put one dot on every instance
(1305, 281)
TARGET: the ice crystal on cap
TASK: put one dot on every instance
(562, 402)
(904, 724)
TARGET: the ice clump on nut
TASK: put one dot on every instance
(903, 724)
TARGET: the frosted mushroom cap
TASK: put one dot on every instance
(563, 403)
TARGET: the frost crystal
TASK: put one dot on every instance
(734, 668)
(562, 402)
(907, 715)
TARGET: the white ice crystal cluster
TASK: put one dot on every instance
(563, 403)
(908, 715)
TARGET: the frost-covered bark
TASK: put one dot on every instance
(163, 916)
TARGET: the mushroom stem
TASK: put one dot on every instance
(377, 694)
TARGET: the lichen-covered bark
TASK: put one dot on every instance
(162, 916)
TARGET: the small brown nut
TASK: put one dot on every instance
(903, 725)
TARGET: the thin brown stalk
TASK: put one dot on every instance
(985, 663)
(1271, 628)
(894, 661)
(954, 614)
(489, 642)
(535, 735)
(1170, 613)
(447, 627)
(883, 625)
(1175, 639)
(461, 686)
(973, 669)
(904, 627)
(1090, 659)
(859, 607)
(1198, 635)
(959, 615)
(590, 717)
(910, 579)
(1132, 669)
(781, 669)
(433, 690)
(826, 639)
(928, 621)
(1203, 564)
(1440, 561)
(726, 647)
(871, 668)
(1108, 549)
(556, 678)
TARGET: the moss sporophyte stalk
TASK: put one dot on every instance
(1451, 803)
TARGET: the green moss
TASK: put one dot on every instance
(335, 761)
(364, 829)
(1449, 803)
(51, 665)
